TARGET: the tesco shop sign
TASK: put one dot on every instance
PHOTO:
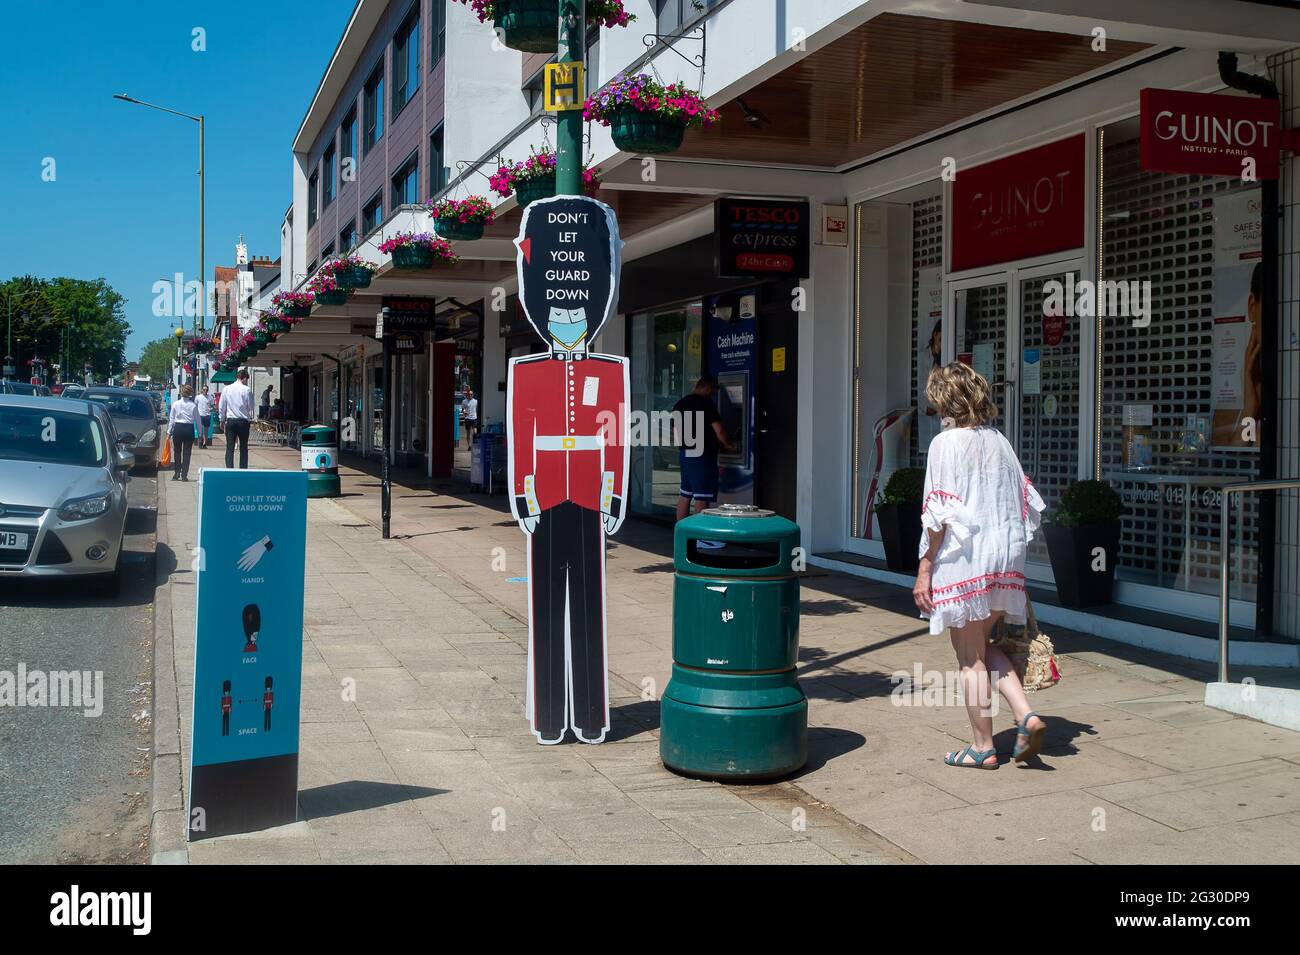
(1023, 206)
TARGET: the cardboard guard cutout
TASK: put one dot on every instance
(568, 459)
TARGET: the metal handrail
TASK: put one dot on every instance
(1229, 490)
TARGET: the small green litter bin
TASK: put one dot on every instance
(320, 459)
(734, 709)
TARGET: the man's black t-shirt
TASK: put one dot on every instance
(694, 415)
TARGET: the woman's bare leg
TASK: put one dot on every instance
(1008, 683)
(970, 643)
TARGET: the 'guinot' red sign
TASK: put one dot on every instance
(1025, 205)
(1210, 134)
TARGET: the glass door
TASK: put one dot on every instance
(1047, 433)
(984, 340)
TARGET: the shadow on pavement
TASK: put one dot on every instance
(357, 795)
(826, 743)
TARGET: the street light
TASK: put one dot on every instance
(201, 318)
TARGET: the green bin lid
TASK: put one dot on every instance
(735, 540)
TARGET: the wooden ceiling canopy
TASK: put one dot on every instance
(892, 79)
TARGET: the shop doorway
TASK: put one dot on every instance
(1009, 328)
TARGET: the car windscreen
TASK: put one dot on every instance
(123, 406)
(53, 437)
(20, 388)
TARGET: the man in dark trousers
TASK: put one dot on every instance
(237, 418)
(700, 435)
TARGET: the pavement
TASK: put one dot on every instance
(433, 761)
(74, 788)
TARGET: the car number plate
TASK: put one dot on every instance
(12, 540)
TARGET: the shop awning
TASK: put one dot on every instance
(222, 378)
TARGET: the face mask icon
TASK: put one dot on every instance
(252, 627)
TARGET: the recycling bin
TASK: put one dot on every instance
(320, 459)
(733, 708)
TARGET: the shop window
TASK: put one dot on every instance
(666, 350)
(1173, 388)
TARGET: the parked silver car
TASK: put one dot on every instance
(138, 426)
(63, 498)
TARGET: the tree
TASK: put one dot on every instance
(156, 358)
(72, 322)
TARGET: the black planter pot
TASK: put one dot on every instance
(412, 257)
(538, 187)
(1071, 550)
(900, 532)
(460, 231)
(339, 297)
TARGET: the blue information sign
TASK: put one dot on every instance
(248, 650)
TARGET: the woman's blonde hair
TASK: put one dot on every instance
(961, 395)
(187, 391)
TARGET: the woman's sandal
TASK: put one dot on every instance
(1028, 742)
(959, 759)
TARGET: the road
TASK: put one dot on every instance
(75, 788)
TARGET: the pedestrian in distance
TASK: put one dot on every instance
(181, 423)
(264, 408)
(469, 416)
(702, 435)
(204, 406)
(978, 515)
(237, 418)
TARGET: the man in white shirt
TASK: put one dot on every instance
(180, 425)
(237, 418)
(469, 416)
(204, 405)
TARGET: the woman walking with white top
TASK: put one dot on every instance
(181, 421)
(978, 516)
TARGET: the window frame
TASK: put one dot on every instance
(349, 231)
(349, 142)
(406, 43)
(372, 107)
(313, 205)
(438, 37)
(438, 176)
(329, 175)
(376, 201)
(407, 170)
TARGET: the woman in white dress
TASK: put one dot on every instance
(978, 516)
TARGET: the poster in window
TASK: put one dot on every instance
(1236, 367)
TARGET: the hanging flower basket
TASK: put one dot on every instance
(295, 304)
(644, 116)
(538, 187)
(262, 337)
(275, 324)
(532, 25)
(534, 178)
(324, 288)
(201, 346)
(350, 272)
(417, 250)
(460, 219)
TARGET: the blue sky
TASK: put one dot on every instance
(124, 203)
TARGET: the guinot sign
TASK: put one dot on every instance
(1210, 134)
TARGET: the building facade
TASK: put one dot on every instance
(949, 166)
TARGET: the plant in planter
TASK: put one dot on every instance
(1083, 543)
(201, 346)
(274, 323)
(645, 116)
(898, 512)
(461, 219)
(532, 25)
(296, 304)
(350, 272)
(534, 178)
(417, 250)
(324, 288)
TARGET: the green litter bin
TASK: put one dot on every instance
(734, 709)
(320, 459)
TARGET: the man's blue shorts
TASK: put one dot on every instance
(699, 477)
